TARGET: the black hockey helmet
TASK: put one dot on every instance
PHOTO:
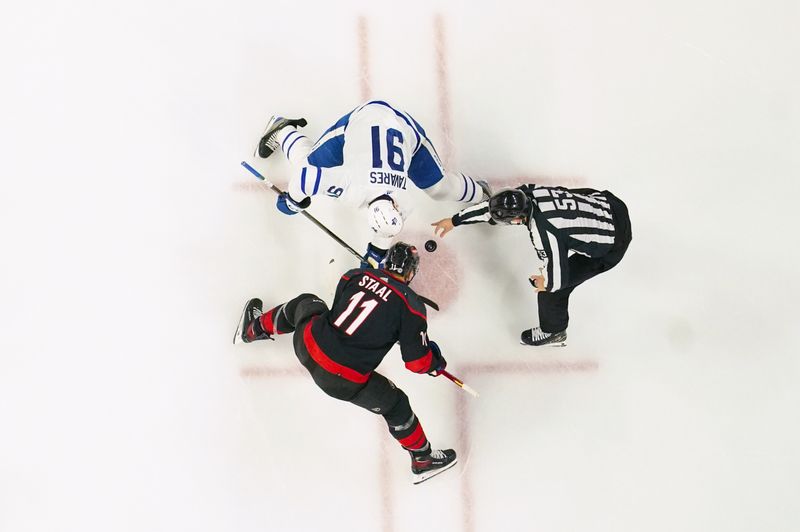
(507, 205)
(402, 259)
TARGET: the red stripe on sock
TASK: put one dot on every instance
(416, 440)
(266, 322)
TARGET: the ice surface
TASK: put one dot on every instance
(132, 237)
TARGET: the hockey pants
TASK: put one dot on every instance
(378, 395)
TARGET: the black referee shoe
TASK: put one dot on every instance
(537, 337)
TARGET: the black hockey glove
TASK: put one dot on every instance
(438, 363)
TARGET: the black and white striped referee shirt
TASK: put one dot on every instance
(563, 221)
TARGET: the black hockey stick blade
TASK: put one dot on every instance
(428, 302)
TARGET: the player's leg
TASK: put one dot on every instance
(283, 133)
(382, 397)
(450, 186)
(258, 325)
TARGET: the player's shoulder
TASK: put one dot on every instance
(410, 297)
(349, 274)
(406, 296)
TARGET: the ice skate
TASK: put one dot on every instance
(269, 140)
(537, 337)
(251, 312)
(426, 466)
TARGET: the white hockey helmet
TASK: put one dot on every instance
(384, 218)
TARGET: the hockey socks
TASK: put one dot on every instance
(270, 323)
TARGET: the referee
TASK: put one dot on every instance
(578, 233)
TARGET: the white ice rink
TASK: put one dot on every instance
(131, 237)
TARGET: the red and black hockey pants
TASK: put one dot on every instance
(379, 395)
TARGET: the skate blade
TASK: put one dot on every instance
(554, 344)
(422, 477)
(237, 338)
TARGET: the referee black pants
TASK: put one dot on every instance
(554, 306)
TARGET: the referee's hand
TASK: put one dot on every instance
(537, 281)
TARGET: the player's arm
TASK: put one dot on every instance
(419, 354)
(309, 181)
(474, 214)
(555, 273)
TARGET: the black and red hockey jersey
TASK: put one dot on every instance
(371, 311)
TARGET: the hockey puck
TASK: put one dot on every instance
(430, 246)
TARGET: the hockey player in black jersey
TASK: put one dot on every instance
(372, 310)
(577, 233)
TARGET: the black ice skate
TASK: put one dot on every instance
(269, 140)
(426, 466)
(538, 337)
(251, 312)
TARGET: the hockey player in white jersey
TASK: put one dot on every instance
(369, 158)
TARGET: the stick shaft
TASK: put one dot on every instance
(458, 382)
(307, 215)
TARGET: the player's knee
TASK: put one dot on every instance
(304, 306)
(400, 411)
(379, 395)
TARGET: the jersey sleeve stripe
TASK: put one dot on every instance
(316, 183)
(421, 365)
(554, 262)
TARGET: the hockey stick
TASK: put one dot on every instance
(319, 224)
(304, 213)
(459, 383)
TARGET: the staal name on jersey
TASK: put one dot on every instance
(380, 290)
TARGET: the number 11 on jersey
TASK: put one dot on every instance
(366, 308)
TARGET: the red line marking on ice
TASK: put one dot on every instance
(463, 429)
(363, 58)
(533, 366)
(497, 183)
(463, 411)
(499, 368)
(387, 515)
(447, 148)
(462, 436)
(265, 372)
(467, 370)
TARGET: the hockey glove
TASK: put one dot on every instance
(438, 363)
(289, 206)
